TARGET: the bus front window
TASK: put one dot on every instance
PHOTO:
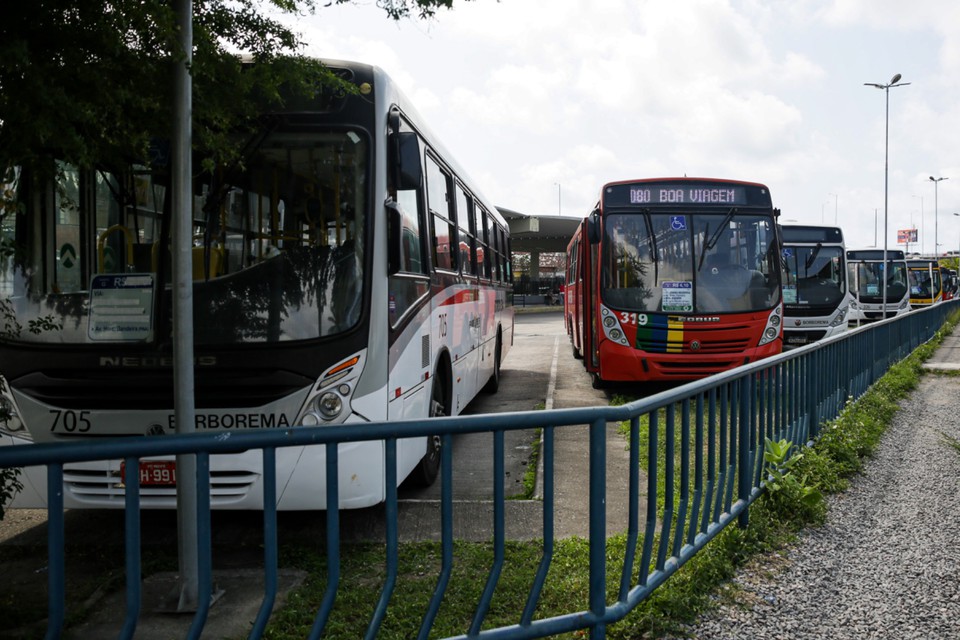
(815, 276)
(277, 248)
(690, 263)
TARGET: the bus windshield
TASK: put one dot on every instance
(690, 262)
(815, 276)
(866, 280)
(277, 249)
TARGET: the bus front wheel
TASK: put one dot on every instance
(425, 473)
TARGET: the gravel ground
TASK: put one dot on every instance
(887, 562)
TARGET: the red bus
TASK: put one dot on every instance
(675, 279)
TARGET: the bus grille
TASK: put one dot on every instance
(105, 487)
(707, 346)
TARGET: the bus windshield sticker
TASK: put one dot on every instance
(789, 294)
(677, 296)
(121, 307)
(678, 223)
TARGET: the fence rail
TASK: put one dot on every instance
(701, 445)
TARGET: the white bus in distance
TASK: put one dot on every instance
(816, 298)
(865, 276)
(346, 272)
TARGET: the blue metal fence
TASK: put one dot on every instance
(702, 444)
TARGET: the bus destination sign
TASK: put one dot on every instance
(687, 195)
(697, 194)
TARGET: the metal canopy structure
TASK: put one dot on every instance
(539, 234)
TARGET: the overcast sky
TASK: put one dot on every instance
(542, 102)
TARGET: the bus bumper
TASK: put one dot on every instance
(621, 365)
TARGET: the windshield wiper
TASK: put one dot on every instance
(653, 242)
(712, 241)
(813, 256)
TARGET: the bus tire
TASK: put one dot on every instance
(598, 382)
(576, 352)
(426, 471)
(493, 384)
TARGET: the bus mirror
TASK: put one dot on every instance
(593, 227)
(409, 168)
(394, 224)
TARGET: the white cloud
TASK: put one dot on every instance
(529, 95)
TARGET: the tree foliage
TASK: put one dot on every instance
(91, 81)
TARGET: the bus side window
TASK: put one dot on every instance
(464, 217)
(407, 284)
(444, 231)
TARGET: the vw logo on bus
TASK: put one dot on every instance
(695, 345)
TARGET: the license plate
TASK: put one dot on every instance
(155, 473)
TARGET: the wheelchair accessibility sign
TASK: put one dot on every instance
(678, 223)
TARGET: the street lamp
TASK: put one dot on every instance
(936, 182)
(958, 247)
(894, 82)
(835, 200)
(559, 211)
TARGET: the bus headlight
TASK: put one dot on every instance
(10, 421)
(611, 327)
(329, 405)
(772, 331)
(841, 317)
(330, 400)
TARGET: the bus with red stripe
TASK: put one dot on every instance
(675, 279)
(346, 270)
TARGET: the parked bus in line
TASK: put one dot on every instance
(346, 271)
(926, 283)
(865, 277)
(816, 298)
(948, 277)
(675, 279)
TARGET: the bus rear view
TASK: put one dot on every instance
(816, 298)
(681, 278)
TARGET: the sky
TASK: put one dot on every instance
(544, 101)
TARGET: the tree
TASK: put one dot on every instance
(90, 81)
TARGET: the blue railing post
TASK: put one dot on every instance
(745, 462)
(598, 523)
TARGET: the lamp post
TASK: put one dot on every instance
(894, 82)
(559, 211)
(835, 200)
(936, 183)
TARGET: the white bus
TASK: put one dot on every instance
(816, 298)
(865, 276)
(347, 272)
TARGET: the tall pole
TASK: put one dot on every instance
(559, 209)
(886, 173)
(936, 247)
(958, 244)
(182, 236)
(958, 247)
(835, 200)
